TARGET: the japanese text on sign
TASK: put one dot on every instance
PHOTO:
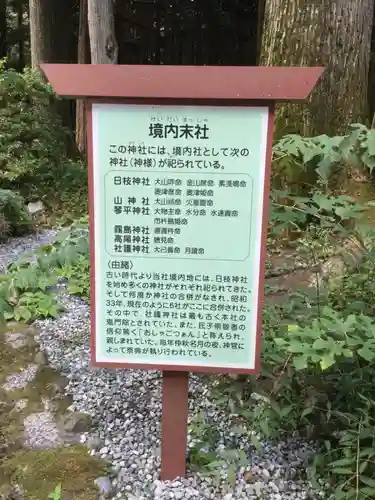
(178, 197)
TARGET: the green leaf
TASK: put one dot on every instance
(296, 347)
(368, 481)
(368, 161)
(255, 441)
(341, 462)
(371, 142)
(341, 470)
(306, 411)
(367, 354)
(238, 429)
(325, 166)
(327, 361)
(322, 344)
(232, 475)
(263, 424)
(216, 464)
(339, 494)
(299, 362)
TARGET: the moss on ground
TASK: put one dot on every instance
(13, 360)
(38, 472)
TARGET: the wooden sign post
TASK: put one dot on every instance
(179, 171)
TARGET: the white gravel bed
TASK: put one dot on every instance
(125, 406)
(41, 431)
(11, 250)
(20, 379)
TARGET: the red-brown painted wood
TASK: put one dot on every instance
(182, 82)
(174, 425)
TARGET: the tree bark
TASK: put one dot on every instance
(260, 25)
(83, 58)
(101, 22)
(335, 34)
(49, 43)
(21, 40)
(3, 28)
(41, 42)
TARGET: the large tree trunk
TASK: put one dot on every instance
(41, 31)
(49, 43)
(332, 33)
(83, 58)
(101, 21)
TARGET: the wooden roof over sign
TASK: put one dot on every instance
(240, 83)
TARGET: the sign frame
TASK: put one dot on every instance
(266, 192)
(195, 86)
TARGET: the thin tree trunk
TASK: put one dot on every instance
(332, 33)
(3, 28)
(101, 22)
(21, 41)
(83, 58)
(371, 85)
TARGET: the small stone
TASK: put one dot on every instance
(265, 474)
(105, 486)
(258, 490)
(20, 404)
(95, 443)
(273, 487)
(41, 358)
(249, 477)
(17, 339)
(35, 208)
(76, 422)
(57, 386)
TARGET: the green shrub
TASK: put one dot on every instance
(33, 142)
(317, 380)
(15, 219)
(305, 160)
(322, 374)
(355, 292)
(26, 291)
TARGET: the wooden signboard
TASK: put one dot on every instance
(179, 171)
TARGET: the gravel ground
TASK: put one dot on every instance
(11, 250)
(19, 380)
(126, 410)
(41, 431)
